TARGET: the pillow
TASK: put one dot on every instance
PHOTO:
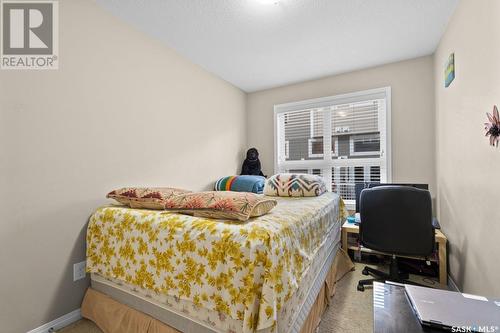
(221, 205)
(144, 197)
(294, 185)
(244, 183)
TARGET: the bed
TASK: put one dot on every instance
(203, 275)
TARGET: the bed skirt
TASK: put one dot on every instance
(114, 317)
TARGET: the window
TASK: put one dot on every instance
(316, 146)
(287, 149)
(364, 144)
(352, 127)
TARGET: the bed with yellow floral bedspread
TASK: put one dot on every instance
(245, 270)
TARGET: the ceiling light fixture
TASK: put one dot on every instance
(268, 2)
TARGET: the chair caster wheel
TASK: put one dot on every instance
(365, 272)
(361, 287)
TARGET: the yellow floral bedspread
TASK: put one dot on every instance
(245, 270)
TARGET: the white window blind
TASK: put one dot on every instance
(353, 128)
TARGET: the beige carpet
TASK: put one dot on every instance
(349, 310)
(82, 326)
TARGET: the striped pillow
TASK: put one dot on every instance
(294, 185)
(245, 183)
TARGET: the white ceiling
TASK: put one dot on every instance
(255, 45)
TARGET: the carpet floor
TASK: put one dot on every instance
(349, 311)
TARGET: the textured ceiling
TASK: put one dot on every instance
(257, 44)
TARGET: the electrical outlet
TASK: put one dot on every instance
(79, 271)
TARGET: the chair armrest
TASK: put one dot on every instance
(435, 223)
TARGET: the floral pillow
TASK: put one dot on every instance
(145, 197)
(221, 205)
(295, 185)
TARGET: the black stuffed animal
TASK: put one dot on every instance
(251, 165)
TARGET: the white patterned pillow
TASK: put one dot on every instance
(294, 185)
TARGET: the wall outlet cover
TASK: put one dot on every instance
(79, 271)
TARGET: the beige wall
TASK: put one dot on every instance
(117, 110)
(122, 109)
(412, 113)
(468, 169)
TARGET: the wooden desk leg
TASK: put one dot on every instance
(443, 268)
(344, 239)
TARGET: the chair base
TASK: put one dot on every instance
(394, 275)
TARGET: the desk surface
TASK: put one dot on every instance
(392, 312)
(354, 228)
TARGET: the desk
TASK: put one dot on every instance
(350, 228)
(392, 313)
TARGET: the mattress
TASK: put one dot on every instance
(187, 317)
(226, 276)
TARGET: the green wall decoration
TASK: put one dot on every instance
(449, 71)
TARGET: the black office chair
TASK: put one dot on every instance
(396, 220)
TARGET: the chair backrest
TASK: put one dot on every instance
(397, 220)
(358, 187)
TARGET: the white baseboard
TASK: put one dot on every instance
(453, 286)
(59, 323)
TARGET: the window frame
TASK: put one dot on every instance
(327, 162)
